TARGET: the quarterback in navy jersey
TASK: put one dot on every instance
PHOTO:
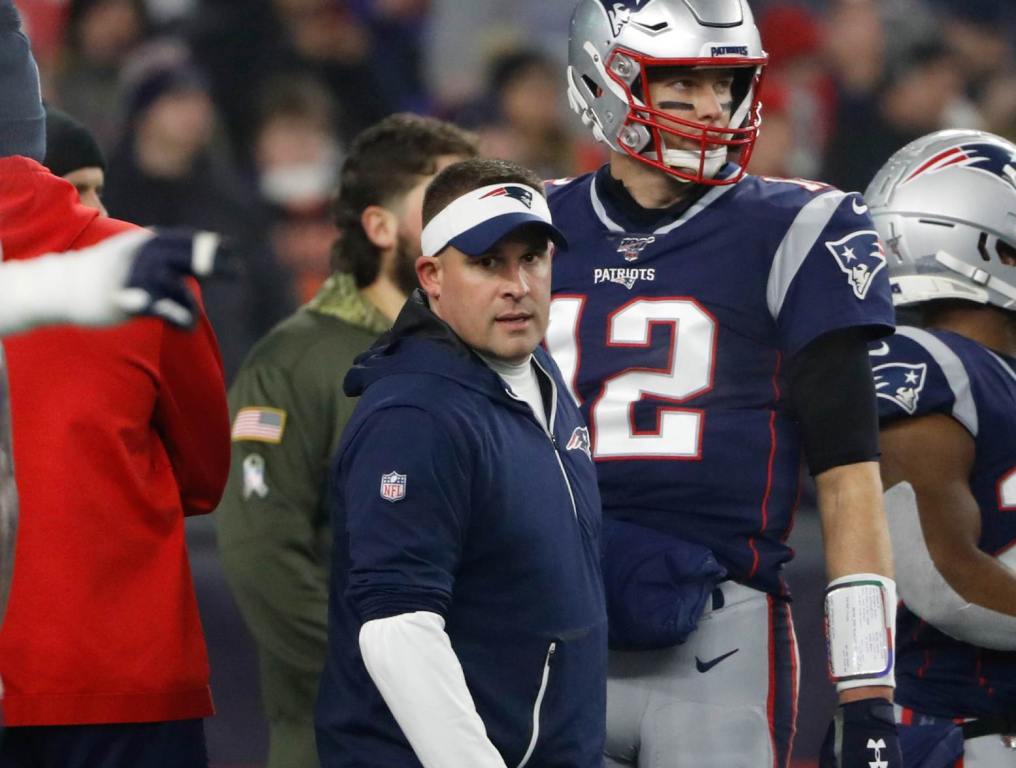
(946, 208)
(713, 327)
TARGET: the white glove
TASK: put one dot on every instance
(134, 273)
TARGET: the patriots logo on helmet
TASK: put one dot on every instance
(980, 156)
(521, 194)
(900, 383)
(860, 257)
(579, 441)
(620, 11)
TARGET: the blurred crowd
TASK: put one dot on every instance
(232, 115)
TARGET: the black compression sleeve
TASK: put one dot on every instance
(833, 395)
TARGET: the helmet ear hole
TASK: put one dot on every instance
(1006, 253)
(593, 87)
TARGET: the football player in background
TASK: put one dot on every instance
(713, 326)
(945, 207)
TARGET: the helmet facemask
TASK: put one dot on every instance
(647, 127)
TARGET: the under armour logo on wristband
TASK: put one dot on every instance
(877, 747)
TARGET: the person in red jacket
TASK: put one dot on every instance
(118, 435)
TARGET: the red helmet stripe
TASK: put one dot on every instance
(938, 159)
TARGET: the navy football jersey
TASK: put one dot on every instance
(919, 372)
(675, 341)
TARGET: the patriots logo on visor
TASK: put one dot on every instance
(620, 11)
(900, 383)
(521, 194)
(860, 257)
(981, 156)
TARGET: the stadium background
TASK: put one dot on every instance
(283, 85)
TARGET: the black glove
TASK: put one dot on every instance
(154, 284)
(862, 735)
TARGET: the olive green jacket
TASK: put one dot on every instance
(288, 411)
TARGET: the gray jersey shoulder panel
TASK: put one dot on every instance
(797, 244)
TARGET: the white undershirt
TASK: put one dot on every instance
(521, 380)
(411, 661)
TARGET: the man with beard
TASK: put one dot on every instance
(288, 411)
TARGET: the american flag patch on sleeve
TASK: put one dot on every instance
(263, 425)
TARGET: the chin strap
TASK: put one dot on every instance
(688, 160)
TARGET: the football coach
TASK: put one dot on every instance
(467, 624)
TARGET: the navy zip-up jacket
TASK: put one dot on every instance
(450, 497)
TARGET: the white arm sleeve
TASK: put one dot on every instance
(82, 287)
(925, 590)
(410, 659)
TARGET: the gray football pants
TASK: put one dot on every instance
(727, 698)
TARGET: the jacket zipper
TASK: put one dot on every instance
(549, 429)
(536, 707)
(567, 483)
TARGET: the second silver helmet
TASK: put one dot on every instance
(945, 208)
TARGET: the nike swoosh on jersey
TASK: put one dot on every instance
(705, 666)
(880, 351)
(859, 209)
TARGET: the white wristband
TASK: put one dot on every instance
(860, 622)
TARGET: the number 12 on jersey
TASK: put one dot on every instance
(687, 374)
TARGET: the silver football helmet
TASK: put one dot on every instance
(945, 208)
(615, 43)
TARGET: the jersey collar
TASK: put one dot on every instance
(339, 297)
(618, 211)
